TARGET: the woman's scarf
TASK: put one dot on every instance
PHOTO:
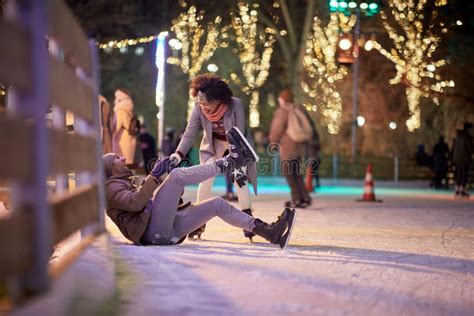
(217, 114)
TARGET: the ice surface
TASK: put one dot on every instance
(405, 256)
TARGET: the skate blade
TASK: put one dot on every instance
(290, 230)
(247, 143)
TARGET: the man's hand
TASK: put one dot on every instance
(161, 167)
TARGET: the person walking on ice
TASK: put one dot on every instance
(216, 111)
(158, 219)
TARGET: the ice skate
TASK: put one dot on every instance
(283, 242)
(240, 149)
(278, 232)
(197, 232)
(241, 153)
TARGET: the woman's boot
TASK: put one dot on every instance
(248, 234)
(278, 232)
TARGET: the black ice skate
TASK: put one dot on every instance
(197, 232)
(241, 153)
(278, 232)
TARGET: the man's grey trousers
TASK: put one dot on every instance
(167, 225)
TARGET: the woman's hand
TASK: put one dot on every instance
(175, 159)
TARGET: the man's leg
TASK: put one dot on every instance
(464, 178)
(289, 173)
(197, 215)
(164, 204)
(299, 181)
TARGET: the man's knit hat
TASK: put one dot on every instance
(108, 160)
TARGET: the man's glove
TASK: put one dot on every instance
(175, 159)
(161, 167)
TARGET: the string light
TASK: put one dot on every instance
(323, 70)
(127, 42)
(413, 53)
(255, 63)
(190, 32)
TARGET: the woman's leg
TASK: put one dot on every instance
(197, 215)
(164, 204)
(205, 187)
(245, 200)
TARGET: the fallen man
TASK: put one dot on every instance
(155, 220)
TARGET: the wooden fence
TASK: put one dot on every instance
(54, 176)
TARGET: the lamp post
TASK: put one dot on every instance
(355, 90)
(160, 85)
(348, 8)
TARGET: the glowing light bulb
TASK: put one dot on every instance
(212, 67)
(345, 44)
(139, 51)
(373, 6)
(360, 121)
(369, 45)
(392, 125)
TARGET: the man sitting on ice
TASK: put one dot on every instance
(158, 219)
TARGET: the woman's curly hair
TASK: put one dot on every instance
(213, 87)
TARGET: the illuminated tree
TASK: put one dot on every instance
(255, 51)
(323, 70)
(292, 23)
(196, 42)
(415, 37)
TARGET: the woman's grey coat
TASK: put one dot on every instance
(235, 116)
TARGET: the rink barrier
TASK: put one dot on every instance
(51, 168)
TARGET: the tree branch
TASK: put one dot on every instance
(289, 24)
(281, 41)
(301, 50)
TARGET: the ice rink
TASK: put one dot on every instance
(413, 254)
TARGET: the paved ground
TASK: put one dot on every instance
(413, 254)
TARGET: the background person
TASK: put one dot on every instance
(148, 148)
(440, 163)
(106, 124)
(124, 141)
(168, 144)
(462, 156)
(291, 151)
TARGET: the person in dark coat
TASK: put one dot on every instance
(168, 144)
(440, 162)
(148, 147)
(462, 156)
